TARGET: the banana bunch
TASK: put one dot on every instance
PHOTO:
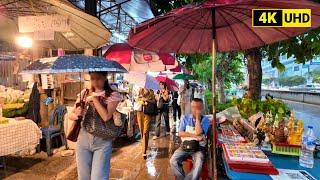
(4, 120)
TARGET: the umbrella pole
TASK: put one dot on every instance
(214, 123)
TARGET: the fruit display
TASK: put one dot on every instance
(13, 96)
(4, 120)
(13, 110)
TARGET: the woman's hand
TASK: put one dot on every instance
(91, 99)
(78, 111)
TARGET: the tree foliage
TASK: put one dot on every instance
(292, 81)
(315, 74)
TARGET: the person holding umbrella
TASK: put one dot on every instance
(163, 106)
(93, 152)
(146, 98)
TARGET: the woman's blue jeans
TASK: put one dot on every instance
(93, 156)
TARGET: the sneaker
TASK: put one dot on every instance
(155, 137)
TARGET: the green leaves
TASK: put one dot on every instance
(292, 81)
(248, 107)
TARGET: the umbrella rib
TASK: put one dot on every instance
(160, 34)
(190, 30)
(68, 40)
(76, 14)
(83, 38)
(245, 26)
(229, 25)
(202, 34)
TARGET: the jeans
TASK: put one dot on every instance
(176, 164)
(93, 156)
(144, 126)
(165, 113)
(176, 111)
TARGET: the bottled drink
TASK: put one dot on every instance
(0, 110)
(307, 148)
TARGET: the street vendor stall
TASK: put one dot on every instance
(18, 135)
(283, 164)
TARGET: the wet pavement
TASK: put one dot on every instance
(127, 161)
(309, 113)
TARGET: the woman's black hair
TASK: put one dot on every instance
(106, 87)
(187, 84)
(164, 84)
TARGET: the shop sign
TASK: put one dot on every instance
(43, 23)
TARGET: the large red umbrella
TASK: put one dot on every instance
(139, 60)
(223, 25)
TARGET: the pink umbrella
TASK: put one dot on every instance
(172, 85)
(139, 60)
(176, 69)
(223, 25)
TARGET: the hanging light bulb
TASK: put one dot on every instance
(24, 41)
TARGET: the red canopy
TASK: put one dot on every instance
(122, 53)
(189, 29)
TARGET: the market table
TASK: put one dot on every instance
(280, 162)
(18, 135)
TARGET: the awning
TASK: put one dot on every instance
(86, 31)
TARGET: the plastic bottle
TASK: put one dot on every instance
(1, 111)
(307, 148)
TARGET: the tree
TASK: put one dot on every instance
(292, 81)
(229, 70)
(315, 74)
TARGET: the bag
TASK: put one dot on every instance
(137, 106)
(75, 129)
(94, 124)
(190, 146)
(160, 103)
(150, 108)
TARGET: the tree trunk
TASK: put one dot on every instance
(222, 97)
(254, 58)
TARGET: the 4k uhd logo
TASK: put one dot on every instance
(281, 17)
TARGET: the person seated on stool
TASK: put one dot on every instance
(192, 130)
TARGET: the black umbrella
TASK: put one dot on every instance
(73, 64)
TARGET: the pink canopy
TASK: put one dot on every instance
(139, 60)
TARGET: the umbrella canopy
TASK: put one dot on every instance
(176, 69)
(86, 31)
(73, 64)
(190, 29)
(142, 80)
(171, 84)
(139, 60)
(223, 25)
(183, 76)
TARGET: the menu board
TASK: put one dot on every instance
(245, 152)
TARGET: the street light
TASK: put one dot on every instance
(24, 41)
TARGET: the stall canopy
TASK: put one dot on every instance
(85, 31)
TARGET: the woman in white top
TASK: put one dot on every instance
(185, 93)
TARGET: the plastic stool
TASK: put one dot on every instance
(204, 172)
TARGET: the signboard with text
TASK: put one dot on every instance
(43, 23)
